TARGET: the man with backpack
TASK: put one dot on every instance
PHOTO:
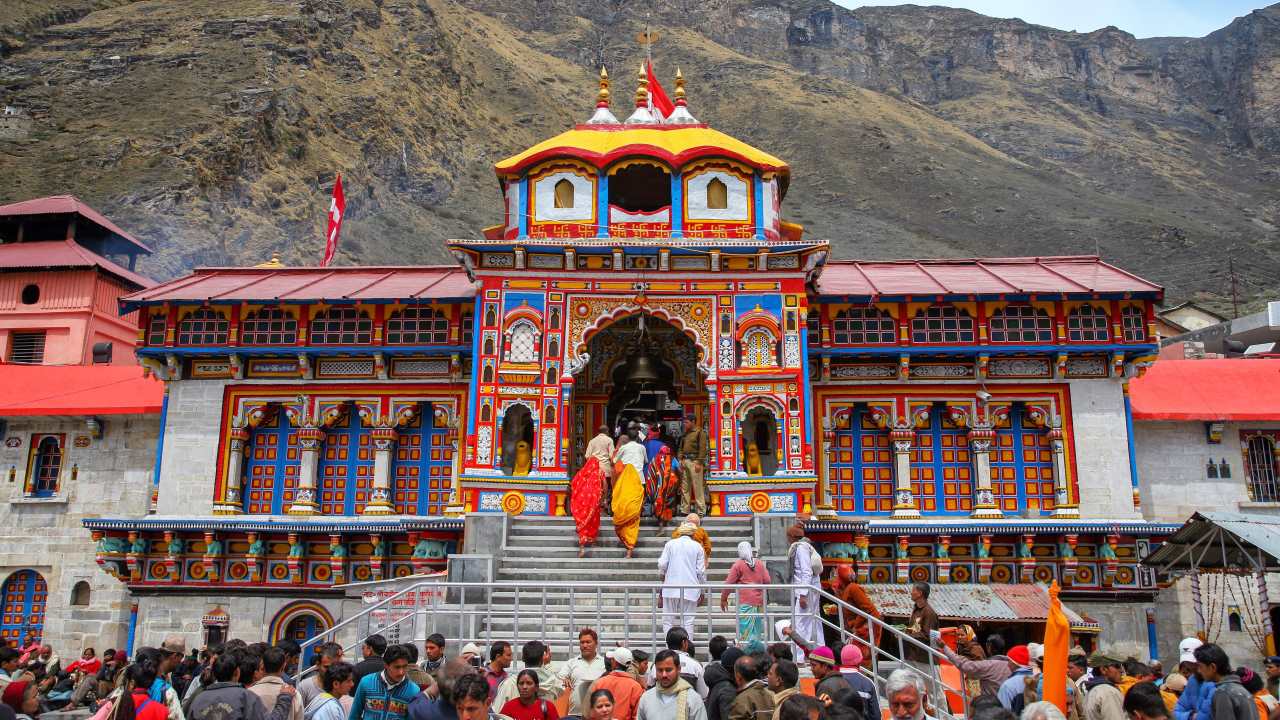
(804, 567)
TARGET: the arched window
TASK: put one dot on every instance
(341, 326)
(717, 195)
(80, 594)
(25, 594)
(564, 193)
(553, 347)
(759, 349)
(1021, 324)
(490, 317)
(1233, 622)
(1088, 323)
(549, 415)
(46, 466)
(269, 326)
(862, 326)
(155, 329)
(203, 327)
(1264, 478)
(942, 324)
(1135, 324)
(523, 339)
(417, 326)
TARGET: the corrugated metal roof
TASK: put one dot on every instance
(310, 284)
(1246, 542)
(60, 254)
(1084, 274)
(974, 602)
(56, 204)
(1231, 389)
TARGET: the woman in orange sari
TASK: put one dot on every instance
(628, 497)
(662, 485)
(584, 503)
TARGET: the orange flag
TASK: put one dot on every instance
(1057, 642)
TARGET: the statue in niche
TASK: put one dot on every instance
(758, 437)
(524, 459)
(517, 427)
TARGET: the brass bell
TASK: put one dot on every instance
(642, 372)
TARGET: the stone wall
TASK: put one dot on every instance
(113, 477)
(1176, 617)
(1101, 450)
(249, 616)
(189, 466)
(1124, 626)
(1172, 458)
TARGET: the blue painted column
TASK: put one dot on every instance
(757, 194)
(1133, 458)
(1153, 646)
(602, 207)
(155, 472)
(133, 627)
(523, 225)
(677, 206)
(806, 408)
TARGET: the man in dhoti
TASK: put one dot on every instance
(804, 567)
(683, 562)
(601, 448)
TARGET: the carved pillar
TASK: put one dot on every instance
(173, 549)
(1065, 505)
(1026, 561)
(863, 558)
(310, 441)
(822, 501)
(943, 552)
(337, 560)
(902, 561)
(133, 560)
(377, 557)
(253, 558)
(212, 554)
(1110, 562)
(455, 508)
(232, 502)
(904, 501)
(1067, 553)
(296, 551)
(384, 444)
(984, 499)
(984, 558)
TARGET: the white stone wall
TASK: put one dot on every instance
(1176, 618)
(1172, 473)
(1124, 626)
(250, 616)
(1102, 451)
(113, 478)
(189, 465)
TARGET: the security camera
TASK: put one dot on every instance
(983, 395)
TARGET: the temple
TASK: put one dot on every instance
(958, 421)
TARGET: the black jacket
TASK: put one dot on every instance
(721, 692)
(368, 666)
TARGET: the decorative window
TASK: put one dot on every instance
(941, 468)
(26, 348)
(422, 466)
(467, 323)
(862, 326)
(46, 465)
(345, 469)
(271, 467)
(717, 194)
(203, 327)
(417, 326)
(155, 329)
(1134, 322)
(942, 324)
(1021, 324)
(759, 349)
(1022, 466)
(342, 326)
(1260, 461)
(522, 343)
(813, 322)
(1088, 323)
(564, 194)
(861, 467)
(269, 326)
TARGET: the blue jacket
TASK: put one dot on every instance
(1013, 687)
(374, 700)
(424, 707)
(1196, 701)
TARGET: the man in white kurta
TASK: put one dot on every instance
(804, 603)
(683, 562)
(631, 453)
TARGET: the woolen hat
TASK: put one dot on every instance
(824, 655)
(174, 644)
(469, 649)
(1019, 655)
(729, 657)
(1187, 649)
(850, 656)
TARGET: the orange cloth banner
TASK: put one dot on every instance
(1057, 642)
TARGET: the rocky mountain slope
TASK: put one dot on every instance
(214, 127)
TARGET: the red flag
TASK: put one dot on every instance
(337, 206)
(658, 99)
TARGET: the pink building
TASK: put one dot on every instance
(63, 267)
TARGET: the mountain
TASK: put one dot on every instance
(214, 127)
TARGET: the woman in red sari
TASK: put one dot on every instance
(584, 503)
(662, 485)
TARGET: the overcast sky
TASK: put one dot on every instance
(1143, 18)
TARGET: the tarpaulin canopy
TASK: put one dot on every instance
(1235, 389)
(1221, 541)
(976, 602)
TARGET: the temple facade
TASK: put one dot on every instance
(957, 421)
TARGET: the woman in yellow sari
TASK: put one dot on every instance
(628, 497)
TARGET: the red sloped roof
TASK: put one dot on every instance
(979, 276)
(63, 253)
(78, 390)
(308, 284)
(56, 204)
(1231, 389)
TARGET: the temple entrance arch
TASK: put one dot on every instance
(610, 389)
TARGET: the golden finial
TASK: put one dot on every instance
(642, 88)
(602, 98)
(274, 262)
(679, 86)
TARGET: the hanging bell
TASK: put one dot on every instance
(641, 371)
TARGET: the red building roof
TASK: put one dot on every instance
(981, 276)
(1221, 390)
(57, 204)
(310, 284)
(29, 390)
(63, 254)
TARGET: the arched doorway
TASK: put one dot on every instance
(301, 621)
(25, 593)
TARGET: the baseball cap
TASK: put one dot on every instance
(824, 655)
(1175, 682)
(470, 649)
(622, 656)
(1020, 655)
(1101, 659)
(1035, 651)
(1187, 649)
(850, 656)
(174, 644)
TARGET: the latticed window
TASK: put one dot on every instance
(1021, 324)
(417, 326)
(467, 322)
(759, 349)
(203, 327)
(46, 466)
(269, 326)
(1135, 324)
(341, 326)
(942, 324)
(524, 343)
(155, 330)
(1088, 323)
(860, 326)
(1264, 478)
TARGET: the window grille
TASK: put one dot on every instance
(269, 326)
(759, 349)
(862, 326)
(26, 348)
(155, 329)
(942, 324)
(1088, 323)
(1263, 485)
(1135, 324)
(203, 327)
(1021, 324)
(47, 467)
(524, 343)
(342, 326)
(417, 326)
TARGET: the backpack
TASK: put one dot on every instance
(815, 558)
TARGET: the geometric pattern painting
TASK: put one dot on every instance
(346, 467)
(25, 593)
(861, 467)
(1022, 466)
(421, 468)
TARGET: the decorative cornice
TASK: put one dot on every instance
(318, 527)
(961, 527)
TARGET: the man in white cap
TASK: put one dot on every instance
(579, 672)
(1194, 702)
(621, 683)
(469, 652)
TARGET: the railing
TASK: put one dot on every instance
(466, 612)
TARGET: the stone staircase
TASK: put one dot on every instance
(544, 550)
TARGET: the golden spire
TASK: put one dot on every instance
(602, 98)
(679, 87)
(642, 88)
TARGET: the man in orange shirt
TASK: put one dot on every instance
(621, 683)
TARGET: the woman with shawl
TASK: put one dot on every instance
(662, 486)
(628, 496)
(747, 570)
(584, 503)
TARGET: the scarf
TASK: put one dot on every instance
(680, 689)
(685, 529)
(746, 555)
